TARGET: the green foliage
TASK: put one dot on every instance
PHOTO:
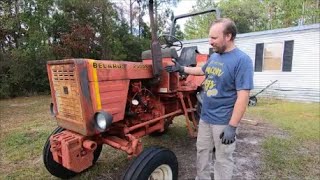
(27, 73)
(255, 15)
(249, 15)
(33, 32)
(291, 13)
(178, 33)
(198, 26)
(163, 12)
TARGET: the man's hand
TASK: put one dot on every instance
(228, 135)
(175, 68)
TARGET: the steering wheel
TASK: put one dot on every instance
(167, 41)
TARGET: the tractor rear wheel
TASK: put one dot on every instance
(197, 114)
(166, 127)
(57, 169)
(153, 163)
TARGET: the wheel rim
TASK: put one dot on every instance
(162, 172)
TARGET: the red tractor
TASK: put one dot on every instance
(97, 102)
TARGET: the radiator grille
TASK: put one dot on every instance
(67, 91)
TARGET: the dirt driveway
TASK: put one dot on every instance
(247, 155)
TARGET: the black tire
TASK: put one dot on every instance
(253, 101)
(199, 96)
(149, 160)
(57, 169)
(198, 112)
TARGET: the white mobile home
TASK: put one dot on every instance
(289, 55)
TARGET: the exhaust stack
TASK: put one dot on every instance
(155, 48)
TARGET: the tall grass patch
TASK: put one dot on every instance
(25, 125)
(297, 155)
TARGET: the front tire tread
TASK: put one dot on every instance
(148, 161)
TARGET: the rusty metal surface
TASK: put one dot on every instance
(85, 96)
(119, 70)
(70, 94)
(131, 145)
(72, 150)
(82, 87)
(147, 123)
(113, 95)
(66, 91)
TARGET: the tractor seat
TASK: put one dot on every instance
(188, 56)
(166, 53)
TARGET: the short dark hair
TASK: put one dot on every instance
(229, 26)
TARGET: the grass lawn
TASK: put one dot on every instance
(296, 156)
(26, 124)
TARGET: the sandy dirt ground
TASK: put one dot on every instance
(247, 154)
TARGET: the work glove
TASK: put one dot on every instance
(175, 68)
(228, 136)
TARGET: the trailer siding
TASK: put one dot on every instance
(302, 83)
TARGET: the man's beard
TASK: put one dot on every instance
(220, 50)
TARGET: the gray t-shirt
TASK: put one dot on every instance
(225, 74)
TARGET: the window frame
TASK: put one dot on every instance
(282, 53)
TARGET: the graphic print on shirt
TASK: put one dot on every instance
(213, 72)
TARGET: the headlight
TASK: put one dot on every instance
(102, 120)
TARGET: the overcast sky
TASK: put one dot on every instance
(183, 7)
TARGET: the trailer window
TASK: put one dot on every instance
(272, 56)
(275, 56)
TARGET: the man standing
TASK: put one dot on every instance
(229, 79)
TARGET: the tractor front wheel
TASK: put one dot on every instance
(153, 163)
(57, 169)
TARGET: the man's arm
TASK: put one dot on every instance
(239, 107)
(229, 133)
(193, 70)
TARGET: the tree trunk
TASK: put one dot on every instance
(152, 21)
(17, 32)
(155, 16)
(139, 22)
(131, 15)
